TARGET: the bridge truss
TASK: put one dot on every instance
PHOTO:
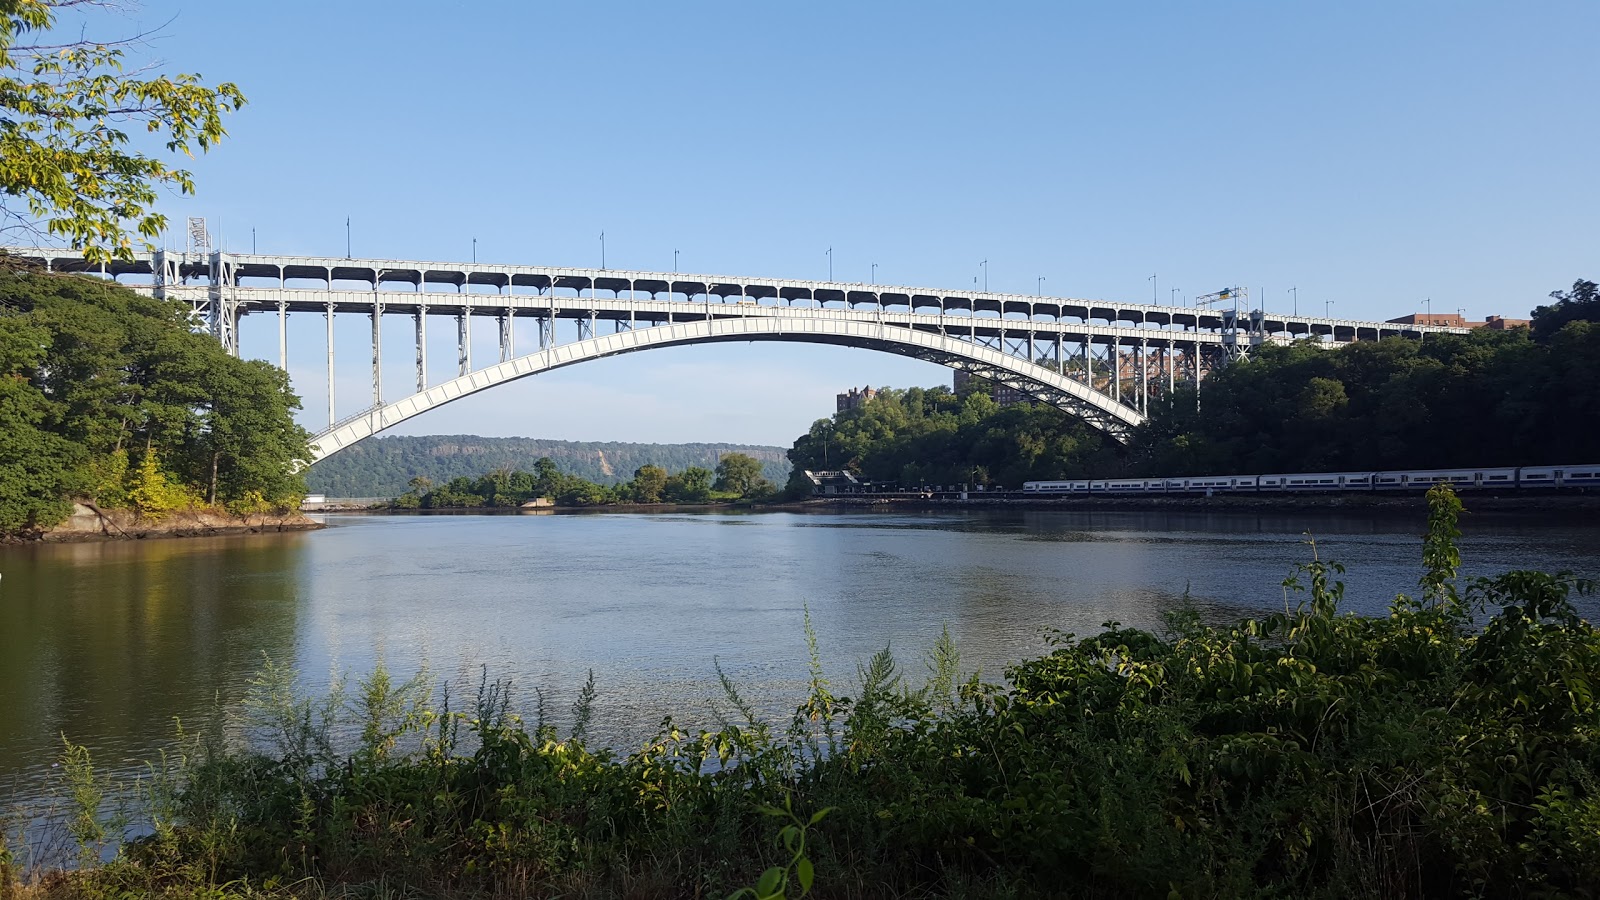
(1098, 360)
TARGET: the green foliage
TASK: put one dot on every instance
(774, 882)
(65, 158)
(1488, 398)
(108, 394)
(932, 436)
(91, 826)
(383, 466)
(692, 485)
(510, 488)
(737, 473)
(649, 482)
(1581, 304)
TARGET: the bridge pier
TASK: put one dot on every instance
(377, 350)
(422, 346)
(331, 418)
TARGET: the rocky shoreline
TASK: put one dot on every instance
(92, 523)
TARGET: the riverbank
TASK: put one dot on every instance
(90, 523)
(1530, 502)
(1241, 759)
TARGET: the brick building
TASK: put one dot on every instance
(853, 398)
(1002, 395)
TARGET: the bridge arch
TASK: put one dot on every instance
(1042, 383)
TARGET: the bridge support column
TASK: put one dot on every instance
(283, 335)
(422, 346)
(1144, 376)
(504, 321)
(1115, 356)
(331, 418)
(464, 340)
(377, 350)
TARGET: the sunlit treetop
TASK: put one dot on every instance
(71, 163)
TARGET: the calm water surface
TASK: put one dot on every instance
(108, 643)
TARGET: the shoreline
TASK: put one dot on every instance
(1398, 503)
(1404, 502)
(91, 524)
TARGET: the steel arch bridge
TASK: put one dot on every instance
(1121, 354)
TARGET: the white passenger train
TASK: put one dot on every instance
(1416, 480)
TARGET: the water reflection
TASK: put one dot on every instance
(109, 642)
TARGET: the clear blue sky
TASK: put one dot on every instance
(1370, 153)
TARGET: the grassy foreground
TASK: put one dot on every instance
(1303, 754)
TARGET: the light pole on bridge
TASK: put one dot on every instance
(1153, 291)
(985, 265)
(830, 263)
(1295, 293)
(474, 251)
(602, 251)
(1327, 305)
(1172, 296)
(874, 273)
(674, 264)
(1038, 286)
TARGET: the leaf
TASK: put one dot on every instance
(804, 873)
(767, 885)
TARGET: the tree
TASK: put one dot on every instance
(692, 485)
(109, 395)
(648, 483)
(67, 162)
(37, 466)
(1581, 304)
(737, 473)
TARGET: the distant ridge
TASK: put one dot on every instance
(382, 466)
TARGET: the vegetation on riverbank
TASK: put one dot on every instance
(936, 436)
(737, 477)
(110, 397)
(383, 465)
(1307, 753)
(1527, 396)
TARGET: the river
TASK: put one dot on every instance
(110, 643)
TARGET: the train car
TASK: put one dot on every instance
(1327, 481)
(1202, 484)
(1456, 478)
(1498, 478)
(1055, 487)
(1581, 475)
(1273, 483)
(1388, 481)
(1573, 476)
(1423, 479)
